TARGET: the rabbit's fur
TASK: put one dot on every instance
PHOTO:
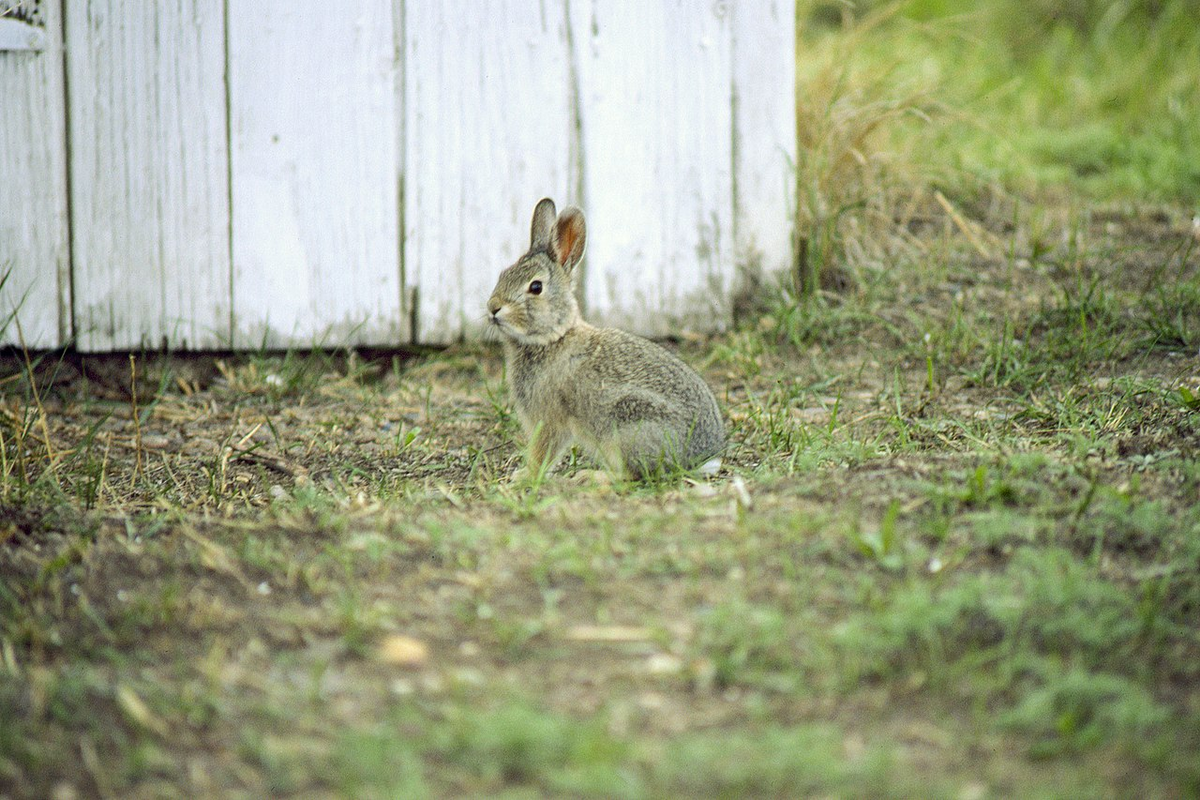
(635, 406)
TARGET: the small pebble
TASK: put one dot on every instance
(664, 664)
(403, 651)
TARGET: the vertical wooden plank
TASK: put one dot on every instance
(33, 190)
(149, 173)
(654, 88)
(28, 32)
(764, 130)
(489, 128)
(313, 112)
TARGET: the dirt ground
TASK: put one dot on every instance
(310, 573)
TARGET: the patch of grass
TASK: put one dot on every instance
(1171, 304)
(847, 174)
(747, 644)
(1060, 647)
(780, 762)
(1089, 95)
(951, 551)
(1075, 709)
(509, 746)
(518, 744)
(900, 102)
(382, 762)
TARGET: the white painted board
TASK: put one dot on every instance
(33, 193)
(389, 153)
(149, 174)
(17, 34)
(764, 131)
(654, 88)
(315, 174)
(488, 132)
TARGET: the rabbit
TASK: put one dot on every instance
(636, 407)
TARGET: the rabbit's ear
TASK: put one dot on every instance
(543, 224)
(570, 236)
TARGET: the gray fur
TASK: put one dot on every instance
(630, 402)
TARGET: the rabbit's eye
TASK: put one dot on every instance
(535, 287)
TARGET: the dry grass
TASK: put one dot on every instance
(952, 551)
(853, 177)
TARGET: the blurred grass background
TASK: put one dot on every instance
(1044, 101)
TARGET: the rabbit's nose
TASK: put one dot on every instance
(493, 306)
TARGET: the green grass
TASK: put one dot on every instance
(1098, 96)
(990, 102)
(952, 552)
(911, 571)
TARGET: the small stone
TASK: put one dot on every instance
(664, 664)
(63, 791)
(469, 676)
(651, 701)
(972, 791)
(741, 493)
(403, 651)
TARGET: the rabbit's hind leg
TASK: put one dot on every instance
(648, 447)
(546, 447)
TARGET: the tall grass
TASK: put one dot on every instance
(1048, 99)
(1098, 97)
(848, 169)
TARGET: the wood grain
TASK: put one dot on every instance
(298, 175)
(315, 170)
(764, 130)
(488, 130)
(33, 193)
(655, 88)
(149, 174)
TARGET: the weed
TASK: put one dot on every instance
(518, 744)
(379, 762)
(747, 645)
(882, 545)
(1074, 709)
(846, 173)
(777, 762)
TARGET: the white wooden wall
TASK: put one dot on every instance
(488, 132)
(34, 253)
(148, 171)
(315, 168)
(285, 173)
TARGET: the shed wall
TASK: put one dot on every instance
(207, 174)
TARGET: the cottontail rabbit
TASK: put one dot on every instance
(637, 407)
